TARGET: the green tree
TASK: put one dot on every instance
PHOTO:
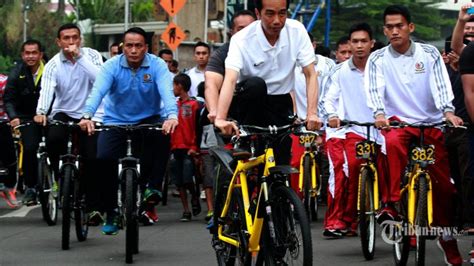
(429, 21)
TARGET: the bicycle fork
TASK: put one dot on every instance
(313, 190)
(412, 199)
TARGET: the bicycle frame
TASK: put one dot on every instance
(239, 179)
(308, 152)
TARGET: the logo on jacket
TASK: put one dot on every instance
(419, 68)
(147, 78)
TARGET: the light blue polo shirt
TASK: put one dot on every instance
(133, 95)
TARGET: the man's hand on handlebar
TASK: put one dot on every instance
(334, 122)
(169, 126)
(453, 119)
(40, 119)
(313, 122)
(226, 127)
(87, 125)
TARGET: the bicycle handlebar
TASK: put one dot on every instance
(101, 127)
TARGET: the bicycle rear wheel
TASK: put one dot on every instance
(66, 196)
(47, 196)
(291, 244)
(367, 214)
(421, 219)
(131, 215)
(234, 226)
(80, 216)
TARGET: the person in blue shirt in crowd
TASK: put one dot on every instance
(132, 85)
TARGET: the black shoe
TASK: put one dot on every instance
(30, 197)
(196, 206)
(95, 218)
(186, 217)
(333, 233)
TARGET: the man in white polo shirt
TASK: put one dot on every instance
(270, 48)
(346, 83)
(202, 51)
(408, 81)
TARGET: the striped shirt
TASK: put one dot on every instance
(70, 83)
(413, 86)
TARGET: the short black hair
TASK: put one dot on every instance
(32, 42)
(114, 44)
(361, 27)
(202, 44)
(164, 51)
(174, 63)
(136, 30)
(242, 13)
(200, 89)
(183, 80)
(259, 4)
(341, 41)
(68, 26)
(378, 45)
(323, 50)
(397, 10)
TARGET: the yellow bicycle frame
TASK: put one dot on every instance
(411, 189)
(375, 184)
(17, 134)
(254, 225)
(313, 173)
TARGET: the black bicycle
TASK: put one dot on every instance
(72, 196)
(129, 194)
(47, 188)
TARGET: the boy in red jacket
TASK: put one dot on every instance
(184, 145)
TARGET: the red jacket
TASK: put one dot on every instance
(184, 136)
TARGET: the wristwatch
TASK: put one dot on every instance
(86, 117)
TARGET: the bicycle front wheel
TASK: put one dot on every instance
(66, 197)
(47, 194)
(307, 184)
(290, 242)
(421, 219)
(367, 214)
(234, 226)
(131, 217)
(80, 216)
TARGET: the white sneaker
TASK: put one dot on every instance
(203, 195)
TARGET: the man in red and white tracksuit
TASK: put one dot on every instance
(346, 86)
(408, 81)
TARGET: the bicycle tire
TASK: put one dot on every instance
(80, 216)
(367, 214)
(234, 226)
(47, 198)
(66, 205)
(307, 184)
(421, 219)
(131, 226)
(292, 230)
(401, 249)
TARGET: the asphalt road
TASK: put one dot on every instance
(26, 240)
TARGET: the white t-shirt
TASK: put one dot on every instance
(323, 66)
(251, 55)
(197, 77)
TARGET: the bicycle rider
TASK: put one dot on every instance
(346, 83)
(7, 153)
(68, 78)
(21, 98)
(408, 81)
(265, 49)
(132, 85)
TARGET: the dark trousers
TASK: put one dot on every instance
(7, 156)
(152, 148)
(56, 143)
(460, 147)
(30, 137)
(252, 106)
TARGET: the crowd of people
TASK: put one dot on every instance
(265, 75)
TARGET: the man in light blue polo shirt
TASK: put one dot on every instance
(131, 86)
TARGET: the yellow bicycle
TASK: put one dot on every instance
(416, 204)
(309, 181)
(264, 218)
